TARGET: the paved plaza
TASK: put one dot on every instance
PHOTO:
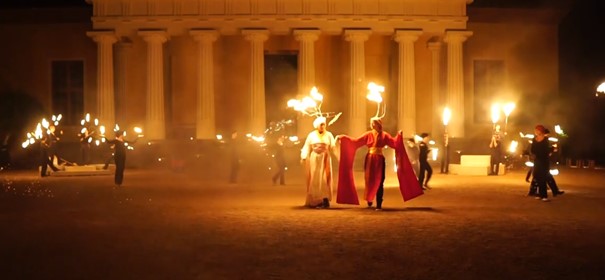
(193, 225)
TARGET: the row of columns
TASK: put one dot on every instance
(205, 115)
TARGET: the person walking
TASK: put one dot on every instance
(315, 156)
(375, 164)
(540, 151)
(48, 151)
(425, 167)
(280, 161)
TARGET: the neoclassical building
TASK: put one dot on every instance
(195, 68)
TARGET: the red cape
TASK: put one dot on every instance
(347, 193)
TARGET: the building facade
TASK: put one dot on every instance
(195, 68)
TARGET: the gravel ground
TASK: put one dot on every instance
(193, 225)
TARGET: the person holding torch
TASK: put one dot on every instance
(374, 165)
(120, 146)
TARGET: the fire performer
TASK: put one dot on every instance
(540, 150)
(120, 146)
(374, 165)
(48, 147)
(315, 153)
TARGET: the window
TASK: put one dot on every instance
(68, 90)
(489, 81)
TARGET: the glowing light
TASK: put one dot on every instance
(87, 117)
(316, 95)
(529, 164)
(219, 137)
(559, 130)
(513, 146)
(431, 142)
(102, 130)
(508, 108)
(138, 130)
(495, 113)
(293, 138)
(554, 172)
(447, 115)
(601, 88)
(553, 139)
(435, 153)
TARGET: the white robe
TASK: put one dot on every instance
(318, 167)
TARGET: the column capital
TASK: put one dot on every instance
(357, 35)
(256, 35)
(434, 46)
(306, 35)
(452, 36)
(407, 35)
(149, 36)
(204, 35)
(102, 36)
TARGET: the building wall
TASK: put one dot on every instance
(529, 49)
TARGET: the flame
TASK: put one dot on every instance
(559, 130)
(316, 95)
(513, 146)
(508, 108)
(495, 112)
(447, 115)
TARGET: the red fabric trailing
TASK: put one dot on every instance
(346, 192)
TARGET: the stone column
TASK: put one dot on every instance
(257, 88)
(105, 86)
(205, 116)
(437, 120)
(155, 121)
(306, 70)
(122, 53)
(358, 123)
(406, 105)
(455, 81)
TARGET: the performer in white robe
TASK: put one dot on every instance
(315, 155)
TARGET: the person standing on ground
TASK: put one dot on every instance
(280, 161)
(120, 146)
(47, 151)
(315, 156)
(495, 147)
(235, 146)
(85, 139)
(423, 157)
(374, 164)
(540, 150)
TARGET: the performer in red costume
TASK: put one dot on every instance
(374, 165)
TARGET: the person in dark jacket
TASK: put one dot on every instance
(425, 167)
(120, 146)
(48, 151)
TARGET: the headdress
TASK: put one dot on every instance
(318, 121)
(311, 106)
